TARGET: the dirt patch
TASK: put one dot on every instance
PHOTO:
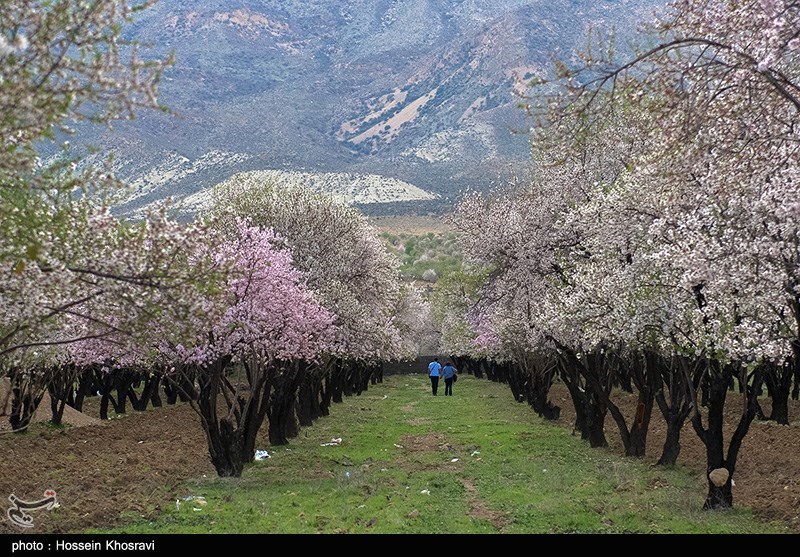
(479, 510)
(429, 442)
(408, 408)
(71, 416)
(132, 465)
(415, 448)
(767, 476)
(418, 421)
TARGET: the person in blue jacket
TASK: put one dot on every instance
(449, 374)
(434, 371)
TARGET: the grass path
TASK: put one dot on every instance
(476, 462)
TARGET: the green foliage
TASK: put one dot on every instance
(473, 463)
(419, 252)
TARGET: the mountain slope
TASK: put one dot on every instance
(418, 90)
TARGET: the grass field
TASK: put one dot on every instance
(476, 462)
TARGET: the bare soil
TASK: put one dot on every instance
(133, 464)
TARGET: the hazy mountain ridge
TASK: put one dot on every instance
(418, 90)
(353, 189)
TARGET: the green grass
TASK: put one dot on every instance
(394, 473)
(419, 252)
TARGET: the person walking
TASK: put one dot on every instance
(449, 374)
(434, 371)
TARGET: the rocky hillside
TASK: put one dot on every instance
(417, 90)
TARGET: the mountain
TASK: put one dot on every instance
(422, 91)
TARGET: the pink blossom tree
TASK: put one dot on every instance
(234, 337)
(353, 276)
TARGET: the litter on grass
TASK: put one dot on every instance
(334, 441)
(196, 498)
(262, 455)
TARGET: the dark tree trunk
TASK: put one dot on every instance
(780, 407)
(537, 388)
(61, 388)
(642, 372)
(231, 433)
(463, 364)
(349, 371)
(778, 380)
(590, 412)
(105, 379)
(281, 409)
(326, 392)
(124, 384)
(152, 382)
(493, 373)
(337, 380)
(57, 410)
(308, 404)
(155, 395)
(170, 391)
(362, 376)
(119, 380)
(477, 367)
(516, 381)
(675, 379)
(27, 391)
(256, 409)
(716, 384)
(86, 384)
(377, 373)
(672, 446)
(715, 389)
(180, 385)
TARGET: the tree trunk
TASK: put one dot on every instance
(778, 380)
(151, 381)
(226, 451)
(61, 388)
(85, 384)
(231, 433)
(674, 377)
(672, 444)
(27, 391)
(377, 373)
(478, 367)
(590, 412)
(514, 378)
(281, 410)
(538, 389)
(716, 385)
(325, 393)
(307, 400)
(336, 380)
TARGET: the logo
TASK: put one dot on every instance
(17, 513)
